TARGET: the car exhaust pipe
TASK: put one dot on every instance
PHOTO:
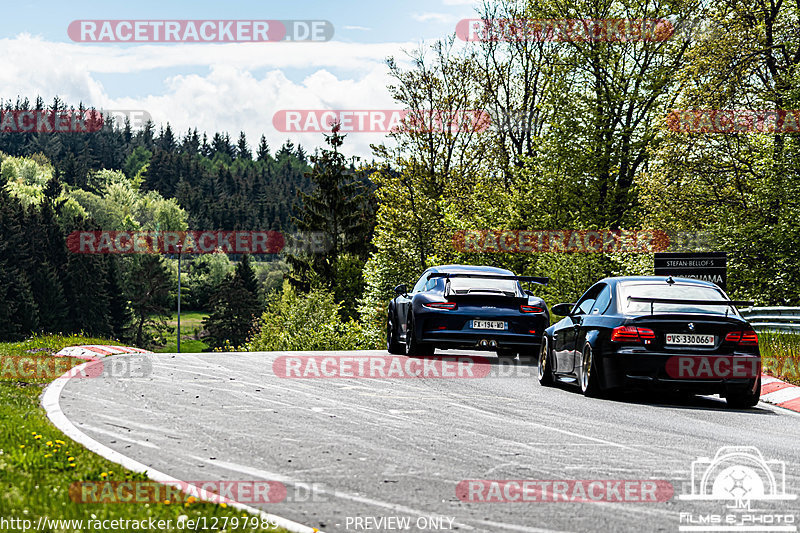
(484, 343)
(493, 344)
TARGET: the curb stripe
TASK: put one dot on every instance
(783, 395)
(774, 387)
(794, 405)
(777, 392)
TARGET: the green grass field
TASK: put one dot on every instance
(780, 355)
(38, 463)
(191, 325)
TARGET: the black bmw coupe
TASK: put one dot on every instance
(679, 334)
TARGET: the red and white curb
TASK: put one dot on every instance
(91, 352)
(780, 393)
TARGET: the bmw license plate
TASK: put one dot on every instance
(488, 324)
(690, 339)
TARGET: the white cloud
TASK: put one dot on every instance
(222, 93)
(359, 28)
(444, 18)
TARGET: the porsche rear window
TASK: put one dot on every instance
(467, 285)
(674, 291)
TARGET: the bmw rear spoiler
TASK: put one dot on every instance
(530, 279)
(683, 301)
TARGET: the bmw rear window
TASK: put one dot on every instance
(682, 291)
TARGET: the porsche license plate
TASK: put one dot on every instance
(488, 324)
(690, 339)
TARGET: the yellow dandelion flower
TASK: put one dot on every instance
(21, 445)
(70, 458)
(60, 441)
(223, 505)
(37, 437)
(49, 443)
(166, 502)
(49, 455)
(103, 475)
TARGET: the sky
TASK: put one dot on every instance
(229, 87)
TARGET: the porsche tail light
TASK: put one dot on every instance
(632, 334)
(743, 338)
(530, 309)
(447, 306)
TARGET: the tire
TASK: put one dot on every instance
(588, 378)
(393, 346)
(545, 370)
(744, 398)
(413, 347)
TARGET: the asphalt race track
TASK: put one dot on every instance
(379, 448)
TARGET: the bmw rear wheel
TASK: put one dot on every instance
(745, 397)
(589, 385)
(545, 371)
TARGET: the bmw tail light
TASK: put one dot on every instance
(632, 334)
(447, 306)
(734, 336)
(530, 309)
(743, 338)
(647, 334)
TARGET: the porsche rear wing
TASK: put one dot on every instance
(530, 279)
(682, 301)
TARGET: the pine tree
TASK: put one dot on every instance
(336, 209)
(119, 311)
(242, 150)
(263, 150)
(234, 307)
(149, 294)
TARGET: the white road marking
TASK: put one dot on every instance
(118, 436)
(557, 430)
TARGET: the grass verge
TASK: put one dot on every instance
(38, 463)
(780, 355)
(191, 326)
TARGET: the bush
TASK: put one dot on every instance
(309, 321)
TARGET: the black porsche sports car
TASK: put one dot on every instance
(472, 307)
(680, 334)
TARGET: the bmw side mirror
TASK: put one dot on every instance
(401, 290)
(562, 309)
